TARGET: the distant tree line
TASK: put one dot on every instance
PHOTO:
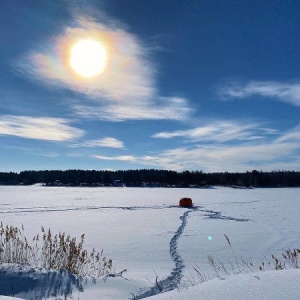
(151, 177)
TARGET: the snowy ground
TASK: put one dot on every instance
(144, 231)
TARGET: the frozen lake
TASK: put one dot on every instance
(144, 231)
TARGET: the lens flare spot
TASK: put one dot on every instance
(88, 58)
(209, 237)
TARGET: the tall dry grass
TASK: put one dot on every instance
(46, 250)
(287, 260)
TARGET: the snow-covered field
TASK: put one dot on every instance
(144, 231)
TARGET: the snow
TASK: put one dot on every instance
(144, 231)
(272, 285)
(8, 298)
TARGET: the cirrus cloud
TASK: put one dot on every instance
(279, 152)
(286, 92)
(220, 131)
(216, 158)
(172, 108)
(108, 142)
(129, 158)
(48, 129)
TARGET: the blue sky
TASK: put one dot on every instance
(187, 85)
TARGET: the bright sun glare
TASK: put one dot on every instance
(88, 58)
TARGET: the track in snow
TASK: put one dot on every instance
(49, 209)
(210, 214)
(174, 279)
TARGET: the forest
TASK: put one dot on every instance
(152, 178)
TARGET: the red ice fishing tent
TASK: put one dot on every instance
(185, 202)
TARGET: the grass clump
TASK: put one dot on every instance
(289, 259)
(58, 252)
(14, 247)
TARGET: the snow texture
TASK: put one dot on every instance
(272, 285)
(144, 231)
(174, 279)
(27, 282)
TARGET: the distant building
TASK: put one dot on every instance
(118, 183)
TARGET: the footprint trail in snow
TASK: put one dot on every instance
(174, 279)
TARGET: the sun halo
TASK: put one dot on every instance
(88, 58)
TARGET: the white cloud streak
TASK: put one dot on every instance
(219, 131)
(291, 136)
(108, 142)
(128, 158)
(172, 108)
(48, 129)
(286, 92)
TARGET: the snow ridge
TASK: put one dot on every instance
(30, 283)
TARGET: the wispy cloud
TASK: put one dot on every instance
(172, 108)
(126, 89)
(233, 158)
(129, 158)
(286, 92)
(278, 153)
(49, 129)
(108, 142)
(220, 131)
(290, 136)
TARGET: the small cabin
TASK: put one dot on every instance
(118, 183)
(185, 202)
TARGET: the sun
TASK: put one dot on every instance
(88, 58)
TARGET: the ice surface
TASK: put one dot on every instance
(144, 231)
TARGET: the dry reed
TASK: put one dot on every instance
(59, 252)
